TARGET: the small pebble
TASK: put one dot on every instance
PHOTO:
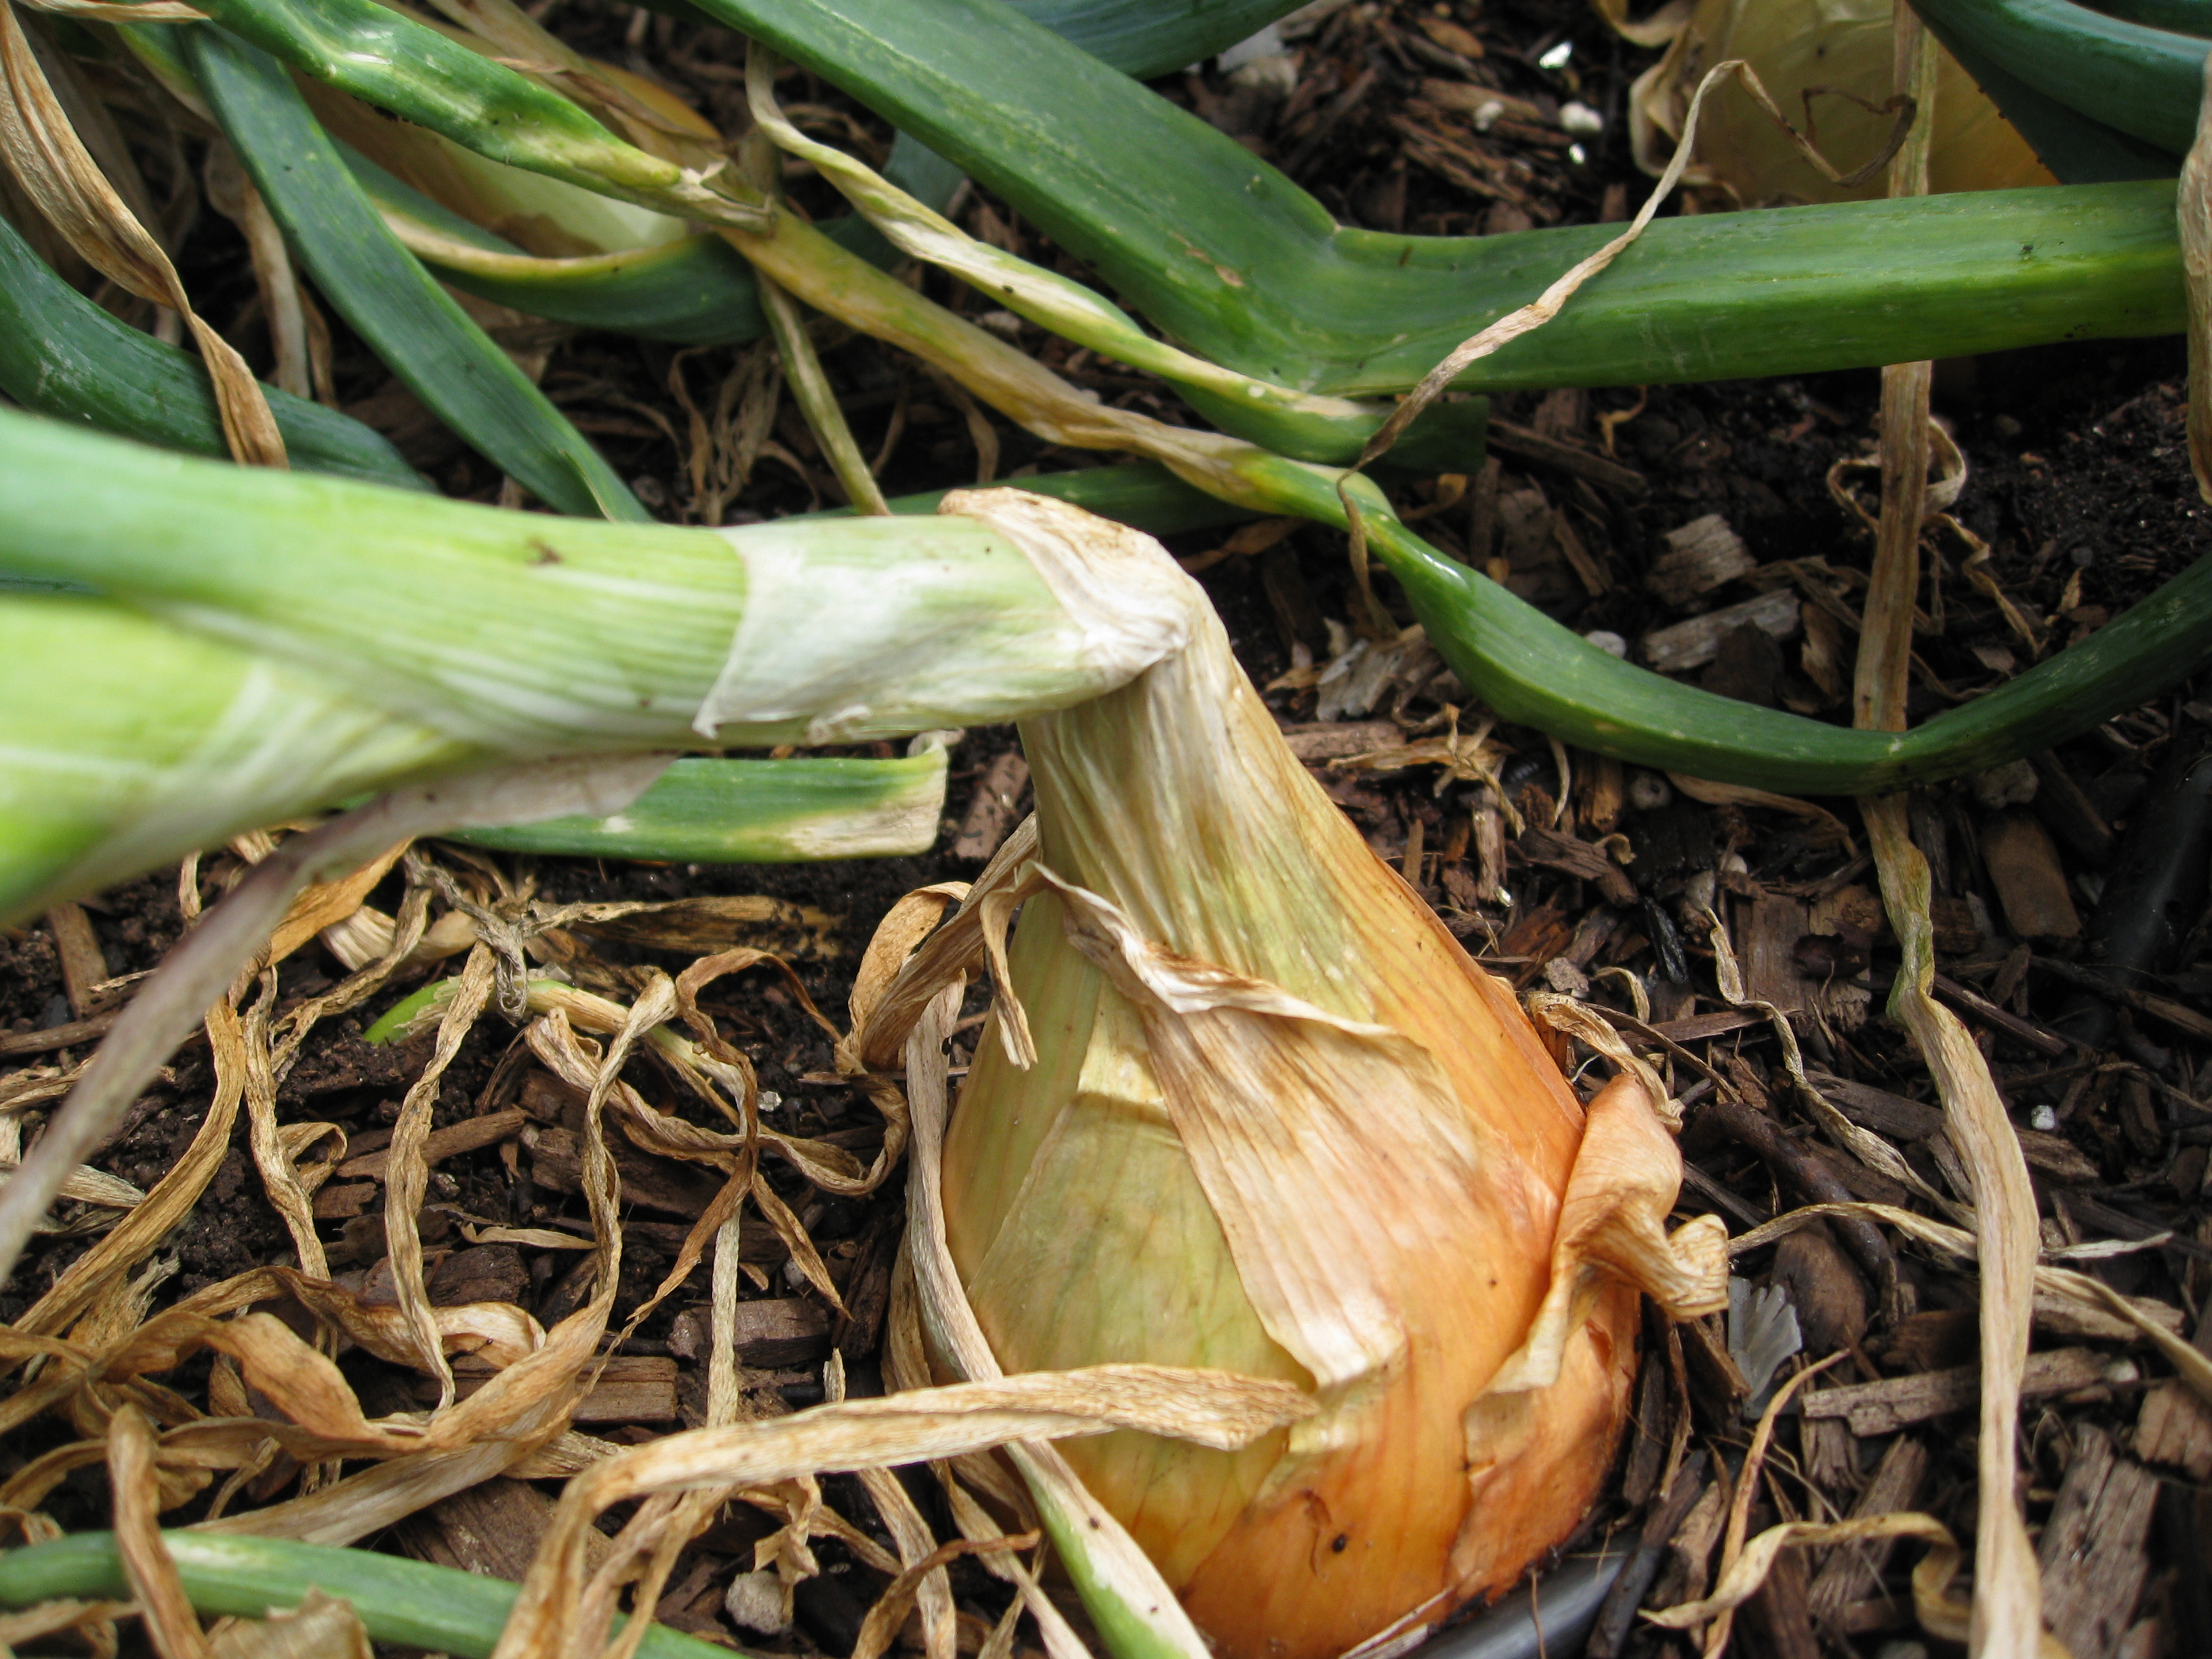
(1566, 978)
(758, 1602)
(2044, 1118)
(1608, 641)
(2010, 785)
(1648, 792)
(1580, 119)
(689, 1336)
(1699, 893)
(1556, 59)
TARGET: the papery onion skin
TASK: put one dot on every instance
(1083, 1232)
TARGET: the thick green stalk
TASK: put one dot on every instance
(2147, 82)
(2079, 150)
(416, 327)
(2182, 16)
(99, 780)
(1224, 254)
(64, 356)
(754, 812)
(526, 633)
(1531, 671)
(126, 742)
(410, 1603)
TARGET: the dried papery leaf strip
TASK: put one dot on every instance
(2006, 1623)
(52, 165)
(193, 974)
(146, 1560)
(2193, 212)
(62, 356)
(1211, 1408)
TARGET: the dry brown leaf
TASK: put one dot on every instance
(209, 956)
(288, 1194)
(407, 1175)
(2006, 1622)
(171, 1201)
(233, 195)
(1736, 794)
(52, 1617)
(146, 1564)
(120, 11)
(326, 904)
(320, 1627)
(1211, 1408)
(54, 167)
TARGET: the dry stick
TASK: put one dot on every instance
(198, 969)
(2006, 1622)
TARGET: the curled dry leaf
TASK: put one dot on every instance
(1210, 1407)
(320, 1627)
(59, 173)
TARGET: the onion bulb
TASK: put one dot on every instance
(1795, 45)
(1244, 1103)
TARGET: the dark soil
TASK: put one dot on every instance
(2080, 486)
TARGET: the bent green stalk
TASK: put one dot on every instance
(410, 1603)
(1531, 671)
(400, 64)
(1224, 254)
(417, 329)
(62, 356)
(2146, 83)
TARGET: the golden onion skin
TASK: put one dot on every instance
(1084, 1232)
